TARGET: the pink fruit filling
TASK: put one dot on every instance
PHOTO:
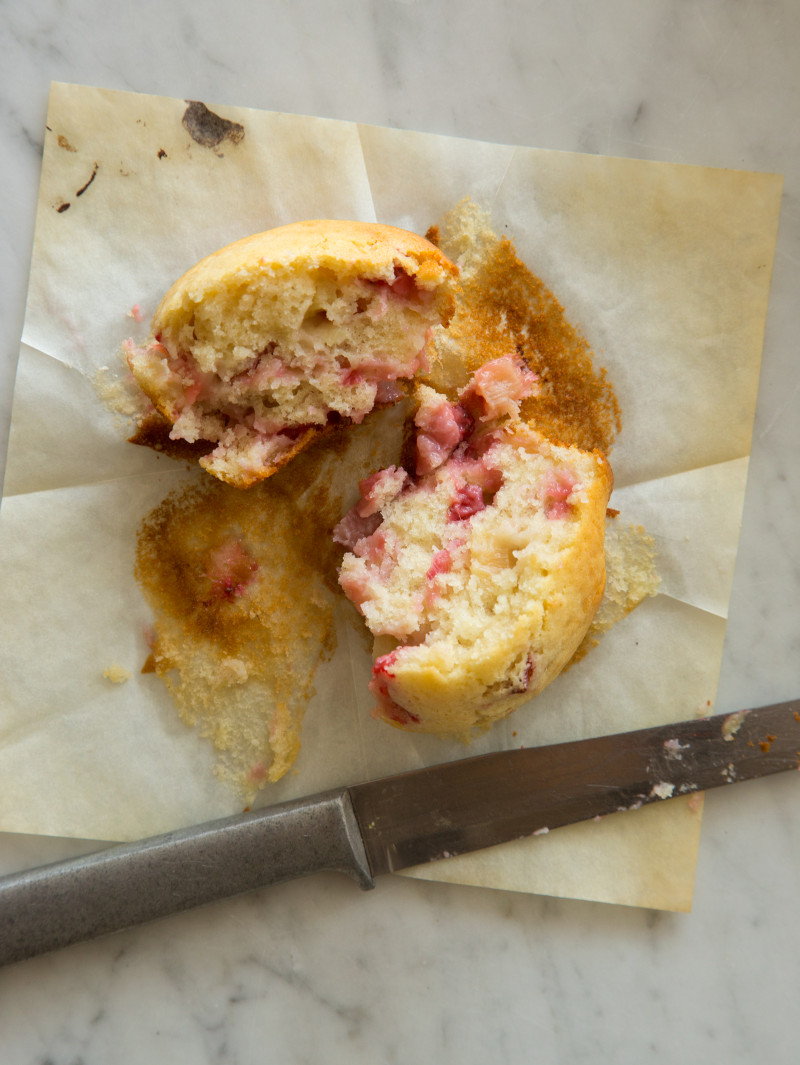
(404, 288)
(386, 708)
(230, 569)
(556, 489)
(380, 488)
(258, 773)
(267, 396)
(495, 391)
(403, 285)
(527, 675)
(497, 388)
(363, 519)
(441, 426)
(477, 470)
(353, 527)
(379, 550)
(442, 562)
(468, 501)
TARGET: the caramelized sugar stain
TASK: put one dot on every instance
(503, 307)
(243, 587)
(244, 614)
(153, 429)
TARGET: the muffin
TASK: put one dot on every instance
(263, 345)
(479, 564)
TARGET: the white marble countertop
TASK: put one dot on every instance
(316, 971)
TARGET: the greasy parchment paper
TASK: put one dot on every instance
(665, 269)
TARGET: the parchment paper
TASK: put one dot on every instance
(665, 269)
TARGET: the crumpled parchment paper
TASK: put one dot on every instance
(665, 269)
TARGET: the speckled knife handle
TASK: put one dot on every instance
(116, 888)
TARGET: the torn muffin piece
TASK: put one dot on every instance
(479, 572)
(263, 345)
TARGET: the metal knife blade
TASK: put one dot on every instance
(478, 802)
(390, 824)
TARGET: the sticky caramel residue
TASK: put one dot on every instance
(243, 588)
(153, 429)
(502, 308)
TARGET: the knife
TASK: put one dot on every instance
(391, 823)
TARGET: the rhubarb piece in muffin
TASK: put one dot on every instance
(479, 572)
(267, 342)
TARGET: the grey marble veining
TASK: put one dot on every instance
(316, 971)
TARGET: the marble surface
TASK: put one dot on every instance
(316, 971)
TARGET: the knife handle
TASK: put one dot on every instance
(53, 906)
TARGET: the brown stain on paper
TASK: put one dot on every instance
(503, 307)
(209, 129)
(65, 206)
(86, 184)
(238, 645)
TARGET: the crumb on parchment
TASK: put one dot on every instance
(116, 674)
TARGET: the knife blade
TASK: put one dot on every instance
(392, 823)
